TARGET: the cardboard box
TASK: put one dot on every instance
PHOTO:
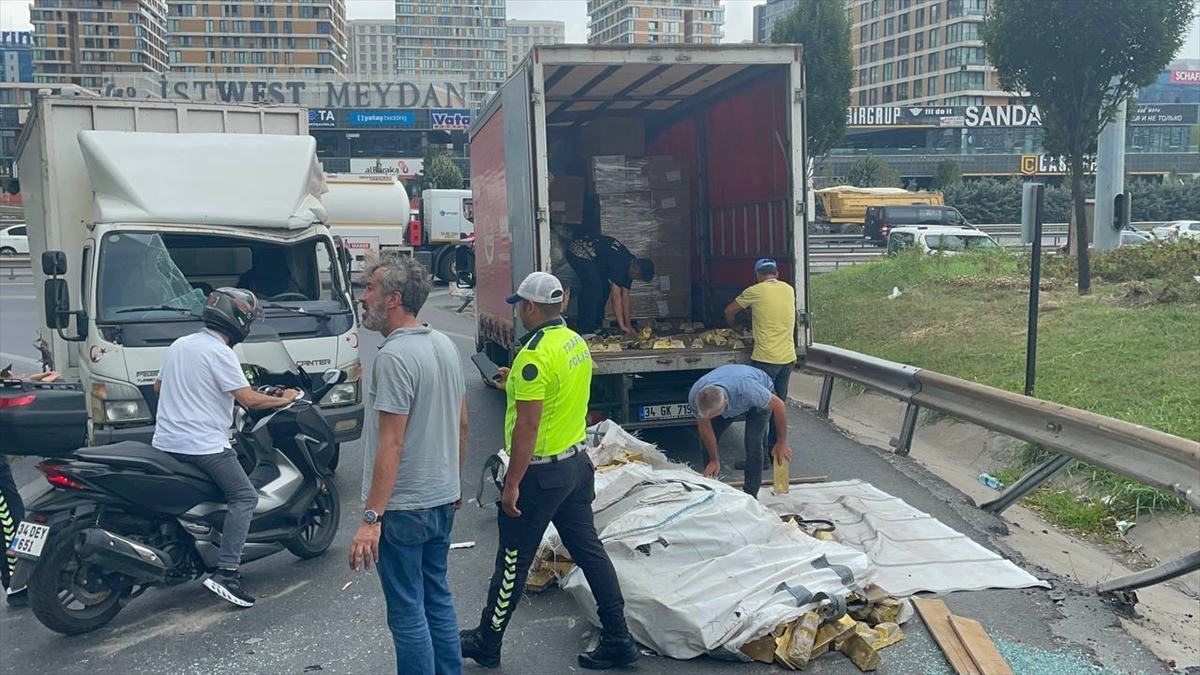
(613, 136)
(617, 175)
(668, 295)
(664, 173)
(566, 199)
(673, 209)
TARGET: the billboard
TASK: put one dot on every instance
(401, 167)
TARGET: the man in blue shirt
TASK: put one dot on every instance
(729, 392)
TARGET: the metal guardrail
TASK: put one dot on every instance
(12, 263)
(1155, 458)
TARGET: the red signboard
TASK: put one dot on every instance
(1185, 76)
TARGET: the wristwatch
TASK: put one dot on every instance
(370, 517)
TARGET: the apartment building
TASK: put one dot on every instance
(372, 48)
(461, 40)
(921, 52)
(655, 21)
(523, 35)
(79, 41)
(769, 14)
(254, 38)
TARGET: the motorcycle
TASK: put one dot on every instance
(126, 517)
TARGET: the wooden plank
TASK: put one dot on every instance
(983, 652)
(937, 618)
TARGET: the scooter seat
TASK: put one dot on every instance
(140, 456)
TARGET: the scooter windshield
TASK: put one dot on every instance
(264, 350)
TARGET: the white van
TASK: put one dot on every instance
(932, 239)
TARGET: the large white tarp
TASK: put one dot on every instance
(244, 180)
(705, 569)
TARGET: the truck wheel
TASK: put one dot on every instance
(855, 230)
(447, 270)
(68, 595)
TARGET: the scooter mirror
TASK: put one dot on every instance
(334, 376)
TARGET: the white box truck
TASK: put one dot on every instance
(145, 206)
(446, 219)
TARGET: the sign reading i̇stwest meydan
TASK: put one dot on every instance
(329, 91)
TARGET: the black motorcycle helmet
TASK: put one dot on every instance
(230, 312)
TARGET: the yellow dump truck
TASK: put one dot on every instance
(844, 207)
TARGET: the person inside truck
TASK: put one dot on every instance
(606, 269)
(726, 393)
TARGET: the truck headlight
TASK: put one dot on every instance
(118, 403)
(348, 392)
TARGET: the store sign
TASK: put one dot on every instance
(13, 38)
(407, 167)
(317, 92)
(321, 118)
(1148, 114)
(1185, 77)
(1036, 165)
(450, 119)
(1002, 116)
(381, 118)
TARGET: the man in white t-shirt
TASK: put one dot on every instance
(198, 383)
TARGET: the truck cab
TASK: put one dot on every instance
(127, 241)
(446, 218)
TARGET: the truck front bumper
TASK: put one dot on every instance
(346, 421)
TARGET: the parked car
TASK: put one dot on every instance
(882, 219)
(930, 239)
(13, 240)
(1134, 238)
(1179, 228)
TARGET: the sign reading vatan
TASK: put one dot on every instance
(311, 92)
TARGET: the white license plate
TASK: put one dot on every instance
(30, 539)
(670, 411)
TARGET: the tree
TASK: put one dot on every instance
(439, 172)
(823, 27)
(1077, 62)
(869, 171)
(946, 174)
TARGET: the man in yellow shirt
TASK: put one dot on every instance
(772, 307)
(550, 479)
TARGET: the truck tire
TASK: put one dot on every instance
(853, 229)
(444, 266)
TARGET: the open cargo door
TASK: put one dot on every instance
(518, 170)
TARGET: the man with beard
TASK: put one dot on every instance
(415, 445)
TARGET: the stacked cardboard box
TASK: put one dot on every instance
(644, 203)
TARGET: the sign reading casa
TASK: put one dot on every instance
(1035, 165)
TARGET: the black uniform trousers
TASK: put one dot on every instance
(560, 493)
(757, 420)
(12, 512)
(594, 291)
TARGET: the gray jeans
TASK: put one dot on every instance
(240, 497)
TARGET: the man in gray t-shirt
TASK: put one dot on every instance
(416, 437)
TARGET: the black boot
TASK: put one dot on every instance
(483, 645)
(616, 648)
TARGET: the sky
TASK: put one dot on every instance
(739, 17)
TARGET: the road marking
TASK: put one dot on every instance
(21, 359)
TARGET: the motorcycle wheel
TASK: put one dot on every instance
(320, 524)
(337, 457)
(58, 593)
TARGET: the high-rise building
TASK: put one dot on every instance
(78, 41)
(257, 37)
(372, 44)
(523, 35)
(460, 39)
(655, 22)
(769, 14)
(921, 52)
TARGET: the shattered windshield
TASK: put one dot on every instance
(151, 276)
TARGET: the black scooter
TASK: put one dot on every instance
(125, 517)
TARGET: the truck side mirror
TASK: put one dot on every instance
(58, 301)
(54, 263)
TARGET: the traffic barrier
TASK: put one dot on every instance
(1148, 456)
(12, 263)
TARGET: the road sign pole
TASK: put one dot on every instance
(1035, 193)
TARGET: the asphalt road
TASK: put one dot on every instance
(318, 616)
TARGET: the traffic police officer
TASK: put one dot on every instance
(550, 479)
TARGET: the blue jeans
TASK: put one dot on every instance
(413, 548)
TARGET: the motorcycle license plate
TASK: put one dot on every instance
(29, 541)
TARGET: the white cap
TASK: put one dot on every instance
(540, 287)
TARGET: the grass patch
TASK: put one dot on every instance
(1130, 350)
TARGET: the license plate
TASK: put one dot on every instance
(671, 411)
(29, 541)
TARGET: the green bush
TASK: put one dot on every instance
(988, 201)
